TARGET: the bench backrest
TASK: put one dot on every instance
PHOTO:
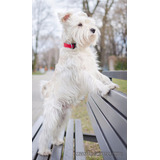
(116, 74)
(109, 120)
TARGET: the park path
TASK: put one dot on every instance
(37, 102)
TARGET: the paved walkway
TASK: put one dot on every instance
(37, 102)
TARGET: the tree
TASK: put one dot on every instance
(86, 8)
(50, 58)
(41, 20)
(101, 49)
(120, 19)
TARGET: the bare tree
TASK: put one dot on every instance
(49, 58)
(112, 15)
(41, 19)
(87, 9)
(120, 19)
(101, 48)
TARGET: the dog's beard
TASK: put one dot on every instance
(84, 38)
(93, 39)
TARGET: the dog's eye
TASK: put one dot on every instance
(80, 24)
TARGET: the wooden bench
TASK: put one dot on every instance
(109, 120)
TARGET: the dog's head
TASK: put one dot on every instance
(79, 28)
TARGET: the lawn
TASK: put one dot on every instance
(37, 73)
(122, 84)
(80, 112)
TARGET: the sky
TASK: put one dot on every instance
(61, 6)
(58, 6)
(64, 5)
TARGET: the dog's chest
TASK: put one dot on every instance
(85, 61)
(72, 65)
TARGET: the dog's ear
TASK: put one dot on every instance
(82, 14)
(64, 16)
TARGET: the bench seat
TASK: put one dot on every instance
(74, 130)
(109, 120)
(108, 116)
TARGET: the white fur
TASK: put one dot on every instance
(76, 75)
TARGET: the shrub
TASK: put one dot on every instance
(121, 64)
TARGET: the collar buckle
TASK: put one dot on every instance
(72, 45)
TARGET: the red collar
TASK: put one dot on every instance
(72, 45)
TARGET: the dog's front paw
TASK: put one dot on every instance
(45, 152)
(59, 142)
(113, 86)
(105, 90)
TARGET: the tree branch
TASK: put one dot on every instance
(110, 5)
(87, 6)
(95, 7)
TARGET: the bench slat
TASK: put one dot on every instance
(113, 140)
(35, 144)
(116, 74)
(116, 120)
(57, 150)
(79, 146)
(101, 140)
(68, 149)
(36, 127)
(118, 100)
(39, 157)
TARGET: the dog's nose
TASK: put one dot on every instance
(92, 30)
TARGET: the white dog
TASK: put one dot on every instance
(75, 76)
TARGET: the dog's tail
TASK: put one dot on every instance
(43, 89)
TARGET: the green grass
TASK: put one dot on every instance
(80, 112)
(122, 85)
(37, 73)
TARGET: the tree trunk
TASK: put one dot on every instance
(35, 54)
(35, 62)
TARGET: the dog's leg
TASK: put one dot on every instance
(57, 140)
(94, 85)
(51, 118)
(105, 80)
